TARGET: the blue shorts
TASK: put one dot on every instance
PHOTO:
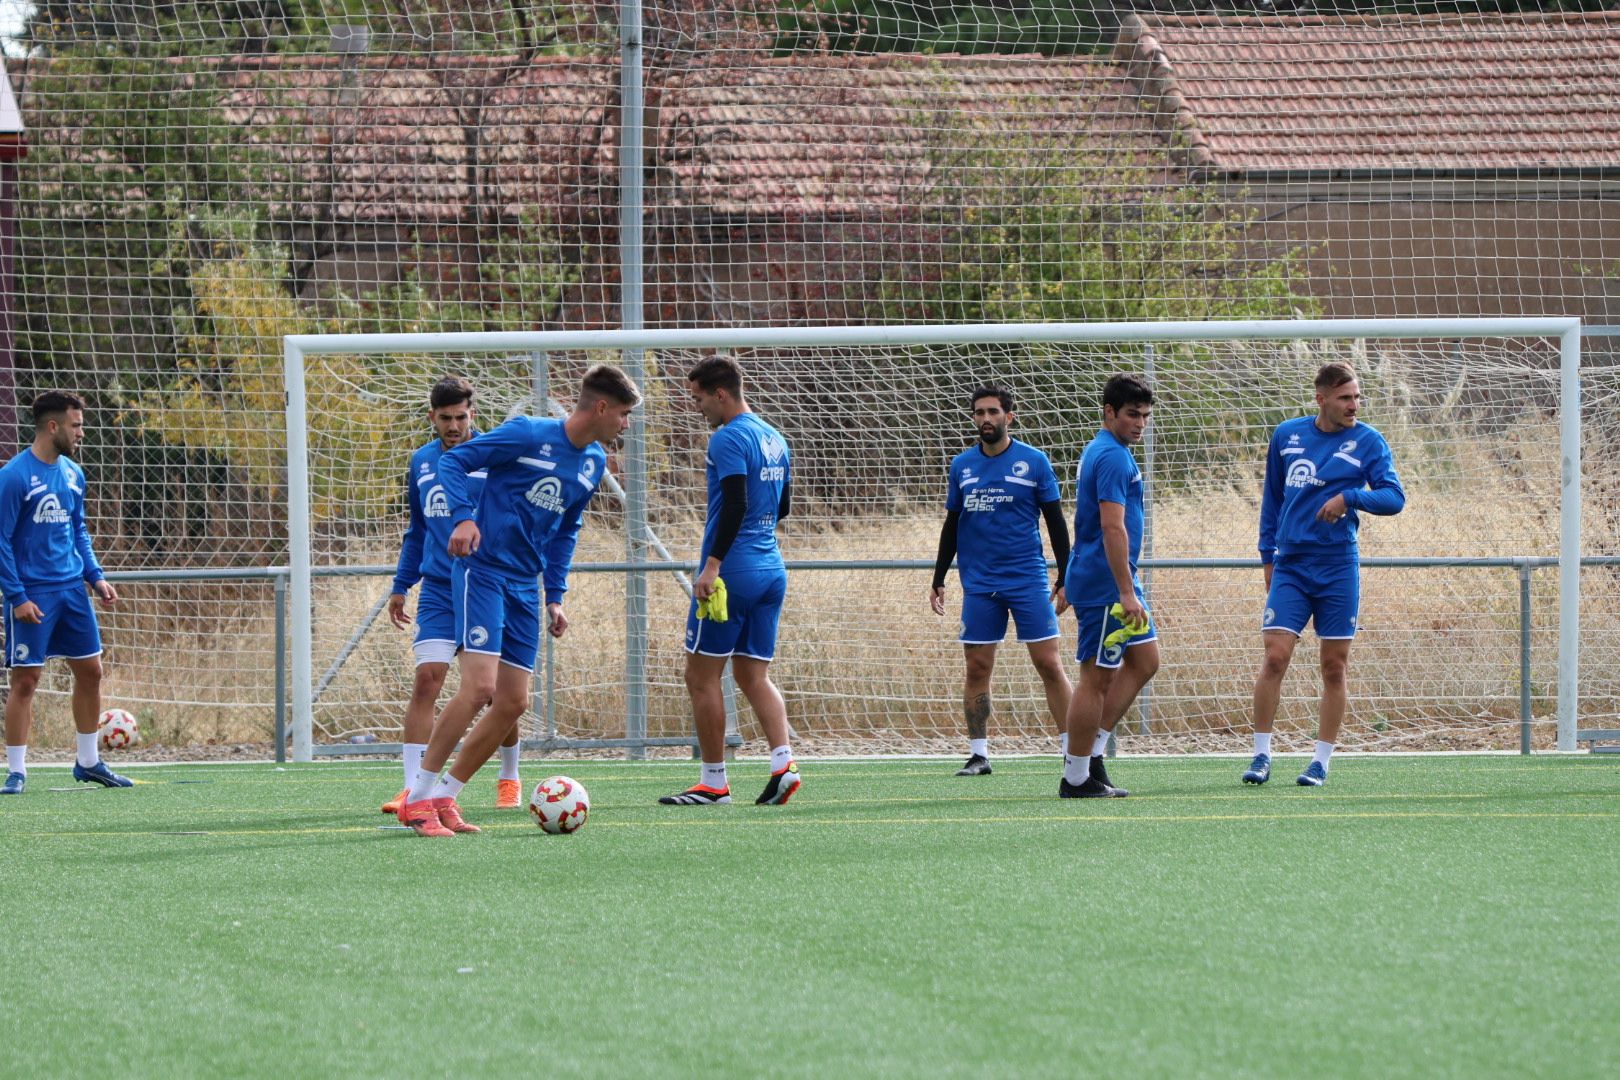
(497, 616)
(68, 629)
(984, 615)
(753, 608)
(436, 640)
(1327, 594)
(1096, 623)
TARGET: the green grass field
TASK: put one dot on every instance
(1419, 916)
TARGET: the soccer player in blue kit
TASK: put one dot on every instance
(541, 474)
(424, 556)
(749, 475)
(1118, 655)
(998, 491)
(1322, 471)
(45, 561)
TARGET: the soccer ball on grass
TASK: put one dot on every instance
(117, 730)
(559, 804)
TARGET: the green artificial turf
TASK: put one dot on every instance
(1445, 916)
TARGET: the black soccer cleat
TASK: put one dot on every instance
(1091, 789)
(1099, 770)
(781, 786)
(977, 765)
(698, 795)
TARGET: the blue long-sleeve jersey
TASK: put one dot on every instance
(425, 552)
(1305, 467)
(534, 496)
(46, 544)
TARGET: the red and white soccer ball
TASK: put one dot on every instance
(118, 730)
(559, 804)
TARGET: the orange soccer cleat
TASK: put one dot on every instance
(423, 817)
(394, 805)
(508, 794)
(450, 817)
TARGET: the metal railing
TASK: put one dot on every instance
(543, 706)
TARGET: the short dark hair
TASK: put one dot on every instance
(717, 373)
(1122, 390)
(54, 403)
(450, 390)
(1334, 375)
(607, 381)
(1001, 394)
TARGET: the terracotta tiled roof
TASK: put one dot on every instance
(834, 135)
(1432, 93)
(393, 141)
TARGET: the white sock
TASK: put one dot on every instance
(1324, 750)
(448, 787)
(979, 748)
(17, 758)
(1099, 745)
(1064, 743)
(89, 751)
(421, 784)
(1262, 743)
(509, 762)
(1076, 770)
(413, 760)
(781, 757)
(714, 776)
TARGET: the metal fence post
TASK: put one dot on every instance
(1524, 657)
(281, 668)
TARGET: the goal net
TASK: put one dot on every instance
(1472, 409)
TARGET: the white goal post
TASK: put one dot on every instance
(642, 346)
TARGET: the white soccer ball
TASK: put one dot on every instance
(117, 730)
(559, 804)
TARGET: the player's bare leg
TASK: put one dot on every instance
(498, 723)
(1279, 651)
(1047, 656)
(1140, 664)
(20, 704)
(426, 687)
(477, 689)
(976, 707)
(19, 722)
(1335, 661)
(88, 768)
(754, 680)
(1085, 719)
(709, 718)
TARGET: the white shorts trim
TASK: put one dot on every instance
(751, 656)
(1335, 637)
(1038, 640)
(86, 656)
(479, 652)
(1284, 629)
(690, 649)
(434, 651)
(509, 664)
(965, 641)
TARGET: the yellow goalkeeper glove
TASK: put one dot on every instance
(1126, 631)
(714, 608)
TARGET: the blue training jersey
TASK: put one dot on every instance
(998, 536)
(45, 544)
(1305, 467)
(425, 552)
(1107, 473)
(746, 445)
(534, 496)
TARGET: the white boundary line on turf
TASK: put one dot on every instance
(848, 759)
